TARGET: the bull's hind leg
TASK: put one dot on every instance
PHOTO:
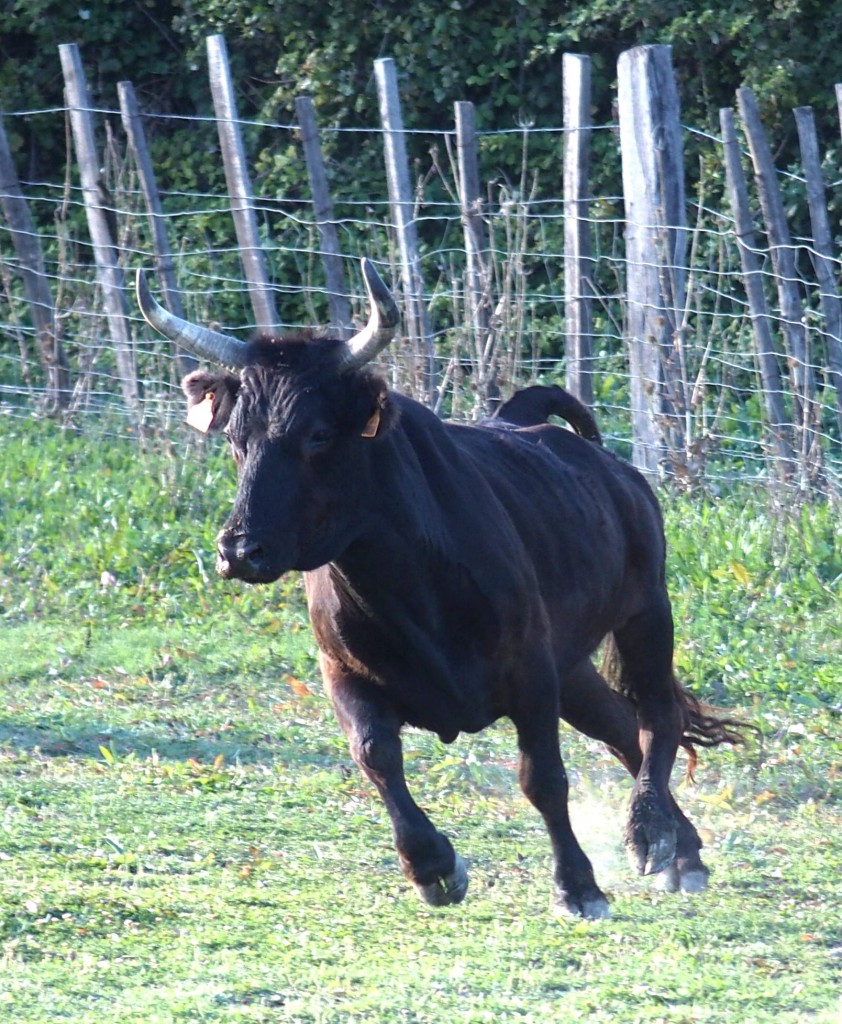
(544, 783)
(645, 649)
(373, 730)
(592, 707)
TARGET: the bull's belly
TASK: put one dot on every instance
(464, 697)
(448, 719)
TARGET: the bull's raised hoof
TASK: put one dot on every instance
(683, 875)
(650, 836)
(448, 889)
(592, 907)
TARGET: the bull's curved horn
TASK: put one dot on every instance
(382, 322)
(201, 341)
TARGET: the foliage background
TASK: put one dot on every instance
(503, 55)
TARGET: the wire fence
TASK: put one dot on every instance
(716, 392)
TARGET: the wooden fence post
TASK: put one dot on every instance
(35, 283)
(578, 262)
(477, 277)
(823, 260)
(766, 358)
(400, 196)
(239, 185)
(656, 242)
(109, 272)
(337, 294)
(163, 255)
(786, 281)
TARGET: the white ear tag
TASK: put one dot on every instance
(370, 429)
(200, 415)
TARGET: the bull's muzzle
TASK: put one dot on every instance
(239, 558)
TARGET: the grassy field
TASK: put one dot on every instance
(186, 839)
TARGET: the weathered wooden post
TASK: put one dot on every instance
(578, 262)
(765, 355)
(133, 126)
(656, 243)
(781, 252)
(400, 196)
(238, 182)
(337, 295)
(35, 283)
(477, 276)
(823, 258)
(109, 272)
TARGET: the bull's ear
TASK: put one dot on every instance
(373, 424)
(381, 417)
(210, 399)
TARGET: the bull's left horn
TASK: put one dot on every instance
(201, 341)
(382, 322)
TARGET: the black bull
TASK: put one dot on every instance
(456, 574)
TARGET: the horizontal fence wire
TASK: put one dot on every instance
(721, 410)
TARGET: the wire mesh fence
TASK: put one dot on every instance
(714, 392)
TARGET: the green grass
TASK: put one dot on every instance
(186, 839)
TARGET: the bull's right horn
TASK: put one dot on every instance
(201, 341)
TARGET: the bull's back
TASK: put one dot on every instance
(589, 523)
(544, 468)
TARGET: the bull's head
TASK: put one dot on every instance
(299, 412)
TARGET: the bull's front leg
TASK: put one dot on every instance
(373, 729)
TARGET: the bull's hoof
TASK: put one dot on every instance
(669, 879)
(447, 889)
(682, 876)
(650, 838)
(650, 855)
(592, 907)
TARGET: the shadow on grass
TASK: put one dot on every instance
(57, 738)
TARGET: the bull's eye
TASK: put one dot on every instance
(318, 441)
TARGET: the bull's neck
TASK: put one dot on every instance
(417, 481)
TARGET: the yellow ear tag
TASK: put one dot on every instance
(370, 429)
(200, 415)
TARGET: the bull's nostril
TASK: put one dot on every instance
(237, 550)
(249, 552)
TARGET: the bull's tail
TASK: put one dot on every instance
(533, 406)
(704, 724)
